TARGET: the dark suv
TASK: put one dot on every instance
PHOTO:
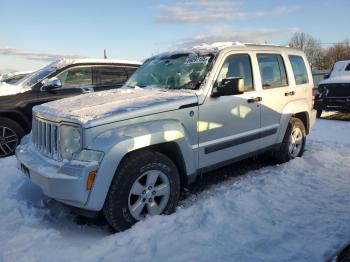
(334, 91)
(58, 80)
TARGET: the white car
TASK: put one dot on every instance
(129, 151)
(14, 77)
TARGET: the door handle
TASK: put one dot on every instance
(291, 93)
(254, 100)
(87, 90)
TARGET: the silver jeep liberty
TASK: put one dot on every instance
(128, 152)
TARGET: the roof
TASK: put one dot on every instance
(102, 61)
(218, 46)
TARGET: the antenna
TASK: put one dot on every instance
(104, 53)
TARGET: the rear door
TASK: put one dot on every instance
(303, 83)
(276, 93)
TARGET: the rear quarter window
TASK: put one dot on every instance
(299, 69)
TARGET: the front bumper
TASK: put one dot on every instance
(341, 104)
(65, 182)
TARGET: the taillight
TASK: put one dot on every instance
(313, 96)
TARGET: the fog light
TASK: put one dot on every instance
(90, 180)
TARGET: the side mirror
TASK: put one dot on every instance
(50, 84)
(326, 76)
(229, 86)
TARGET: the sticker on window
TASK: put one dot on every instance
(197, 60)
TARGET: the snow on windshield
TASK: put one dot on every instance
(173, 71)
(341, 68)
(41, 74)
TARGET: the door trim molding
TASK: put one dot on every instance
(230, 141)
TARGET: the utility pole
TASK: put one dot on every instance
(104, 54)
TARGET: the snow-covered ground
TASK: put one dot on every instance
(297, 211)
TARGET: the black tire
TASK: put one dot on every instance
(344, 255)
(11, 134)
(133, 167)
(318, 113)
(283, 154)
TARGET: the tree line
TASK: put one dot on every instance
(320, 57)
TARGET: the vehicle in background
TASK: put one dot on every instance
(14, 77)
(342, 256)
(129, 152)
(64, 78)
(334, 91)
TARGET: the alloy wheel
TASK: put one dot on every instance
(8, 141)
(295, 142)
(149, 194)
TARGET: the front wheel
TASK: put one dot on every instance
(318, 113)
(10, 136)
(293, 143)
(147, 183)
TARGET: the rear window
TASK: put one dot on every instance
(347, 68)
(272, 70)
(299, 69)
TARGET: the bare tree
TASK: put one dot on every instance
(311, 46)
(338, 52)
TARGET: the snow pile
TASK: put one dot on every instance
(297, 211)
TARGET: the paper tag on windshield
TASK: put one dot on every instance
(197, 60)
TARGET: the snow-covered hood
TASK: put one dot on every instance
(114, 105)
(8, 89)
(344, 79)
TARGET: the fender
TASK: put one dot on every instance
(118, 142)
(17, 116)
(292, 108)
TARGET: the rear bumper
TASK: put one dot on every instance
(65, 182)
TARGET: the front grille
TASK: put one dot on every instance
(45, 138)
(335, 90)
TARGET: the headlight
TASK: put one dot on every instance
(70, 141)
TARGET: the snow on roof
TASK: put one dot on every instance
(217, 46)
(339, 69)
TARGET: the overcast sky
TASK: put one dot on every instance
(33, 33)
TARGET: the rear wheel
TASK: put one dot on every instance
(293, 142)
(147, 183)
(10, 136)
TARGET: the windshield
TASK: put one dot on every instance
(174, 71)
(35, 78)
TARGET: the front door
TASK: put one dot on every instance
(229, 126)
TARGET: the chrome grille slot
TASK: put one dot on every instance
(45, 138)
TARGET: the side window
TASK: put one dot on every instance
(76, 77)
(299, 69)
(130, 70)
(272, 70)
(238, 66)
(109, 75)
